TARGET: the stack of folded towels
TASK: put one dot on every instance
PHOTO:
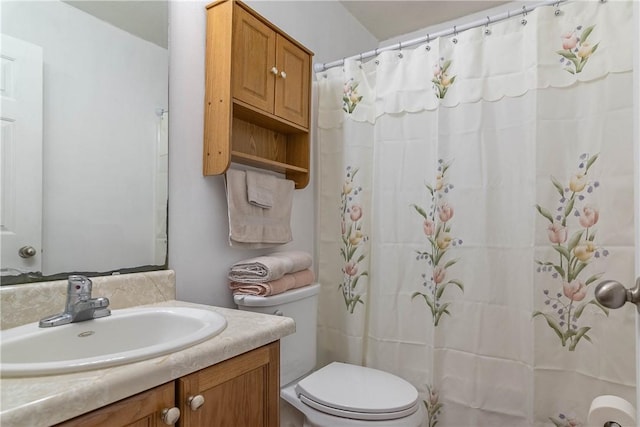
(271, 274)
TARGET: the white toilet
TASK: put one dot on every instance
(338, 394)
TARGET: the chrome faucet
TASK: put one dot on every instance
(79, 306)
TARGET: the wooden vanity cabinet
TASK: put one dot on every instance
(243, 391)
(257, 94)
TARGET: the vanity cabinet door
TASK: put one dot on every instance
(241, 392)
(144, 409)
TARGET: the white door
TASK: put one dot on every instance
(20, 156)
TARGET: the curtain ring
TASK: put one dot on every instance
(428, 47)
(455, 35)
(487, 30)
(523, 21)
(557, 12)
(377, 61)
(400, 52)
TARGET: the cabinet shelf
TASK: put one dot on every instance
(261, 162)
(252, 114)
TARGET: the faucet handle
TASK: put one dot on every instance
(80, 286)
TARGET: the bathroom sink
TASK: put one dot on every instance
(126, 336)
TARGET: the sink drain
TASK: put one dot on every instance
(86, 334)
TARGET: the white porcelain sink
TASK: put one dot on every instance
(126, 336)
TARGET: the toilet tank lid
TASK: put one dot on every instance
(283, 298)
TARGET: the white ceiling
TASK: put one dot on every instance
(387, 18)
(384, 19)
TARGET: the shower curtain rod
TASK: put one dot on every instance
(450, 31)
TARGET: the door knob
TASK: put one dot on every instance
(27, 251)
(274, 71)
(613, 294)
(283, 74)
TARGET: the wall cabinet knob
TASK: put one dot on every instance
(170, 416)
(274, 71)
(283, 74)
(195, 402)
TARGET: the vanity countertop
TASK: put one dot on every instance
(47, 400)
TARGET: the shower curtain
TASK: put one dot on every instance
(473, 192)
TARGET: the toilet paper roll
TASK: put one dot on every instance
(608, 409)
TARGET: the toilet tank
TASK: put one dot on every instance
(297, 351)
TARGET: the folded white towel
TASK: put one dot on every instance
(260, 189)
(254, 227)
(269, 267)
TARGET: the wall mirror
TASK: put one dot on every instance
(84, 151)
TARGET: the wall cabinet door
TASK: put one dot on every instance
(143, 409)
(241, 392)
(292, 82)
(254, 51)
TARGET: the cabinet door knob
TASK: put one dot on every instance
(283, 74)
(195, 402)
(274, 71)
(170, 416)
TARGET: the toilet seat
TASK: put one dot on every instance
(358, 392)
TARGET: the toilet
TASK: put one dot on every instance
(338, 394)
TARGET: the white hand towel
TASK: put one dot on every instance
(260, 189)
(254, 227)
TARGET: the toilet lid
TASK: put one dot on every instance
(358, 392)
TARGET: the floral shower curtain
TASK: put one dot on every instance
(473, 192)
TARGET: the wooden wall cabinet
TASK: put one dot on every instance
(257, 94)
(243, 391)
